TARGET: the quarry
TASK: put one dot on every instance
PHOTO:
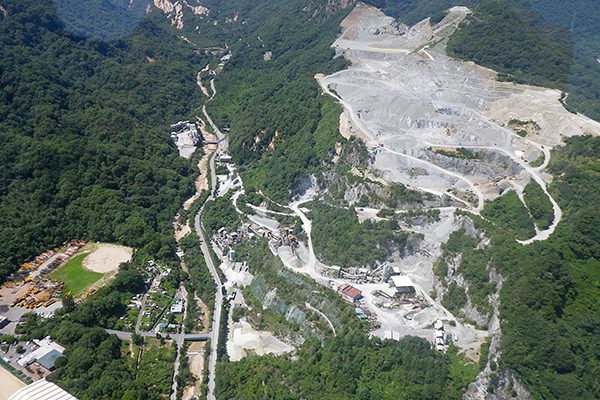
(441, 126)
(418, 112)
(437, 125)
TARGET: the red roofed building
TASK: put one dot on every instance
(350, 293)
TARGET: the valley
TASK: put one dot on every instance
(342, 210)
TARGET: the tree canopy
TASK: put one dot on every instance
(86, 151)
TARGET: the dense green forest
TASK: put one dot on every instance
(538, 204)
(86, 151)
(84, 123)
(101, 19)
(551, 299)
(273, 105)
(579, 17)
(510, 214)
(279, 119)
(340, 239)
(496, 36)
(201, 282)
(352, 366)
(220, 213)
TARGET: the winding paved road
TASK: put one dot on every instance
(212, 363)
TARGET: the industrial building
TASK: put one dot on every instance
(440, 336)
(226, 158)
(350, 293)
(47, 361)
(42, 390)
(177, 308)
(392, 335)
(403, 284)
(185, 135)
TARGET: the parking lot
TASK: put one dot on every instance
(9, 295)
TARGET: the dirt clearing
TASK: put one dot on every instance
(9, 384)
(245, 339)
(105, 258)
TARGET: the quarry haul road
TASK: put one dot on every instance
(323, 316)
(533, 172)
(367, 134)
(370, 137)
(307, 226)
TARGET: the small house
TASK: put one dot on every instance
(177, 308)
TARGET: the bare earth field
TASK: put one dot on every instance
(105, 258)
(9, 384)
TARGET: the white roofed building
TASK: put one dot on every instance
(403, 284)
(42, 390)
(45, 347)
(177, 308)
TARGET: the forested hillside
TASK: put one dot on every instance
(280, 119)
(580, 18)
(550, 298)
(412, 11)
(86, 151)
(496, 36)
(101, 19)
(350, 367)
(86, 154)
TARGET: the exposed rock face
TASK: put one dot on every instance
(499, 385)
(541, 106)
(198, 10)
(405, 97)
(175, 10)
(488, 163)
(165, 5)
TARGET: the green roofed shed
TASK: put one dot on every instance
(48, 360)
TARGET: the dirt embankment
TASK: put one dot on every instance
(196, 362)
(182, 229)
